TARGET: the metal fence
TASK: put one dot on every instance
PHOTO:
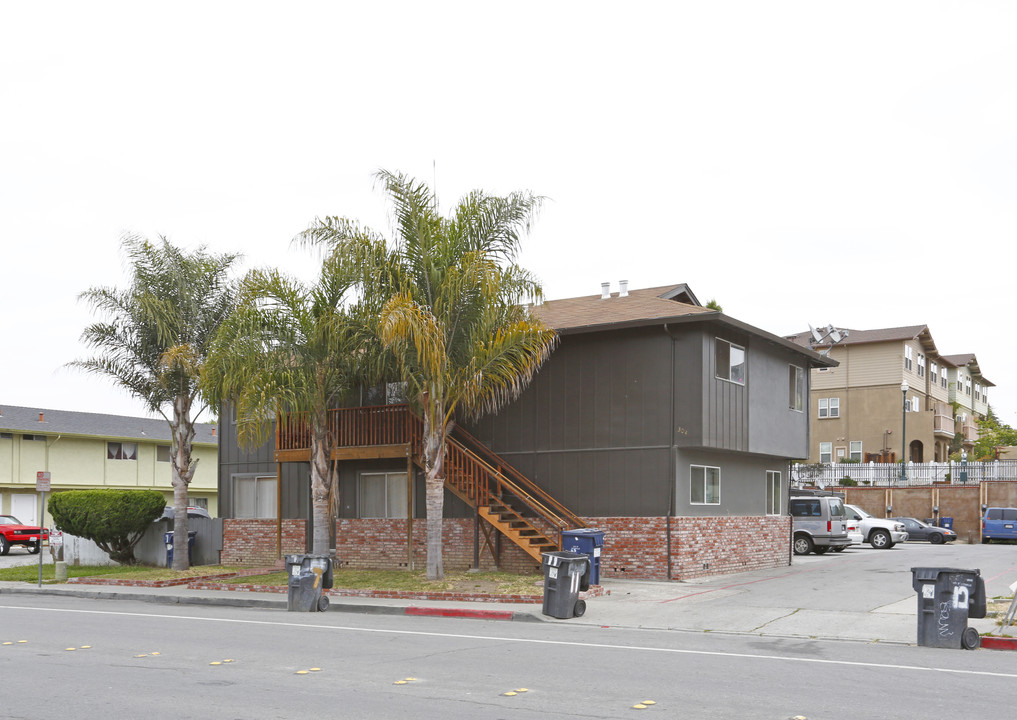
(875, 474)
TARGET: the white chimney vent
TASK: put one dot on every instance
(605, 290)
(623, 288)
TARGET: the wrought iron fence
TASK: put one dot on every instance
(875, 474)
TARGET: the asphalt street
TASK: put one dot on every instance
(86, 658)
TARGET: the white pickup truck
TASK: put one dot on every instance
(879, 533)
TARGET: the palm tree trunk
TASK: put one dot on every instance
(321, 479)
(434, 493)
(182, 429)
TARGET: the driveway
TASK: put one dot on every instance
(858, 594)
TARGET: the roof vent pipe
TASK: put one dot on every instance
(605, 290)
(41, 418)
(623, 288)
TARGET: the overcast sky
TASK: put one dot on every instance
(799, 162)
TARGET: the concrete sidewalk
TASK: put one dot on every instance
(716, 607)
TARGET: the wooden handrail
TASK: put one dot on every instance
(471, 468)
(516, 478)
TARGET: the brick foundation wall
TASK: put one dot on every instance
(252, 542)
(381, 544)
(633, 547)
(720, 545)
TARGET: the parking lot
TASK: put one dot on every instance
(858, 594)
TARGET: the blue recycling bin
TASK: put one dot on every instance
(168, 539)
(946, 522)
(587, 542)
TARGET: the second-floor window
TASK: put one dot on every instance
(934, 372)
(829, 407)
(967, 386)
(121, 451)
(909, 357)
(978, 391)
(796, 388)
(942, 379)
(730, 361)
(921, 365)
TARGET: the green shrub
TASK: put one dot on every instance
(114, 520)
(846, 481)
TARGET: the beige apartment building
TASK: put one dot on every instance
(892, 394)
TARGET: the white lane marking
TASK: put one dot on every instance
(497, 638)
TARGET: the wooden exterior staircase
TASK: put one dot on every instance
(509, 502)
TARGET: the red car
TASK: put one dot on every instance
(12, 532)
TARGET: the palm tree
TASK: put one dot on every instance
(453, 314)
(156, 341)
(290, 348)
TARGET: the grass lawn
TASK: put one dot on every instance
(497, 583)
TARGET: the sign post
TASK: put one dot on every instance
(42, 486)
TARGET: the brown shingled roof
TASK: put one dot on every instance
(639, 307)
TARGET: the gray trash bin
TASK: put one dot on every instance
(308, 576)
(563, 573)
(947, 597)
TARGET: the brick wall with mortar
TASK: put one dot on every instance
(253, 542)
(633, 547)
(381, 544)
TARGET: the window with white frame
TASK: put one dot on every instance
(943, 380)
(855, 450)
(978, 391)
(826, 452)
(967, 386)
(704, 485)
(121, 451)
(934, 372)
(730, 361)
(382, 495)
(914, 405)
(796, 388)
(921, 365)
(909, 356)
(773, 494)
(829, 407)
(254, 496)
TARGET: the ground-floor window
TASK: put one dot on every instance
(254, 496)
(383, 495)
(825, 452)
(705, 485)
(856, 450)
(773, 503)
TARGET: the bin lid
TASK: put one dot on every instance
(562, 557)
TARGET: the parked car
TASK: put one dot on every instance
(818, 524)
(14, 532)
(879, 533)
(192, 512)
(918, 530)
(999, 523)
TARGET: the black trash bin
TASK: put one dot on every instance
(563, 573)
(168, 539)
(308, 576)
(947, 597)
(588, 542)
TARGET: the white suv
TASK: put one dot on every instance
(879, 533)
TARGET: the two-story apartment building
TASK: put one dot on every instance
(889, 383)
(90, 450)
(665, 424)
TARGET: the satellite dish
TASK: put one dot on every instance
(817, 337)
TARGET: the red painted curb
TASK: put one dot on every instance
(998, 643)
(462, 613)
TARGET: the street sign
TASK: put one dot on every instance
(42, 481)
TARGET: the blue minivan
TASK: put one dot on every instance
(999, 523)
